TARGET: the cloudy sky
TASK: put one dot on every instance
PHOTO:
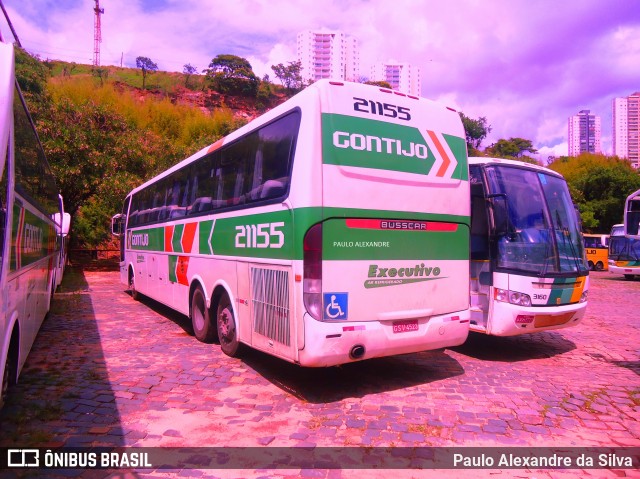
(525, 65)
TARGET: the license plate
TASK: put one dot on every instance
(405, 326)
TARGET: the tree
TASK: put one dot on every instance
(31, 74)
(512, 148)
(599, 186)
(232, 74)
(147, 67)
(380, 83)
(475, 131)
(101, 73)
(290, 76)
(97, 157)
(188, 70)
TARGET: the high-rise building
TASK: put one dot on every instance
(584, 133)
(620, 127)
(401, 76)
(328, 54)
(626, 128)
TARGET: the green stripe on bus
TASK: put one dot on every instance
(365, 143)
(270, 235)
(147, 239)
(176, 243)
(343, 243)
(173, 260)
(561, 295)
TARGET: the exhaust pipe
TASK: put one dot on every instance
(357, 351)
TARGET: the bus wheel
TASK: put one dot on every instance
(5, 384)
(590, 265)
(203, 329)
(8, 378)
(227, 332)
(628, 277)
(599, 266)
(132, 286)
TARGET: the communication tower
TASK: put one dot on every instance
(97, 34)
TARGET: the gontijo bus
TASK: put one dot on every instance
(30, 218)
(331, 229)
(624, 244)
(528, 268)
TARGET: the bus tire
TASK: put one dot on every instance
(132, 286)
(203, 329)
(227, 331)
(628, 277)
(9, 374)
(590, 265)
(599, 266)
(4, 393)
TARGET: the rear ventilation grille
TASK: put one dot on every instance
(270, 298)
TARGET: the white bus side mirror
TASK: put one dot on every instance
(117, 225)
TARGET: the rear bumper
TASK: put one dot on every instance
(332, 342)
(624, 270)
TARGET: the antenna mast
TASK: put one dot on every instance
(97, 34)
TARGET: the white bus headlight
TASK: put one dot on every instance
(583, 297)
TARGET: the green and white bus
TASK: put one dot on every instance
(528, 267)
(331, 229)
(30, 228)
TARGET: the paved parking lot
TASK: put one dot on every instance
(109, 371)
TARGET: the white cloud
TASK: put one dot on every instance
(525, 66)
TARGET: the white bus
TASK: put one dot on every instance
(624, 244)
(30, 212)
(331, 229)
(528, 266)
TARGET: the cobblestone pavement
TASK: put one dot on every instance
(108, 371)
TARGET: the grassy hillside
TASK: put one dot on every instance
(103, 134)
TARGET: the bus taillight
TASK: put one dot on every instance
(312, 266)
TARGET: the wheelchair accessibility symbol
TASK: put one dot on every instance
(336, 306)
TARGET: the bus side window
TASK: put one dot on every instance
(277, 143)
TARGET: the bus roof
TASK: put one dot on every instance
(486, 160)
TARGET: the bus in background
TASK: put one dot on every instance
(328, 230)
(624, 243)
(528, 267)
(597, 250)
(63, 225)
(616, 230)
(632, 215)
(30, 215)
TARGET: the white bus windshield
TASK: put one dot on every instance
(543, 231)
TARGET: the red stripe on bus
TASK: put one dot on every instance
(431, 226)
(363, 224)
(181, 270)
(359, 223)
(168, 238)
(188, 236)
(446, 161)
(216, 145)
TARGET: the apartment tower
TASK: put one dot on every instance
(584, 133)
(402, 77)
(626, 128)
(328, 54)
